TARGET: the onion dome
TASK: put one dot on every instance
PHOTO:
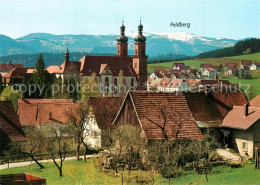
(122, 38)
(140, 37)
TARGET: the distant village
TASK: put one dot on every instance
(170, 104)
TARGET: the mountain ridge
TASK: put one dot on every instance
(157, 43)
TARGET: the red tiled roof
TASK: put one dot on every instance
(53, 69)
(178, 64)
(202, 107)
(91, 64)
(164, 82)
(236, 118)
(18, 72)
(211, 69)
(255, 102)
(246, 62)
(8, 66)
(184, 67)
(231, 65)
(205, 65)
(105, 109)
(148, 106)
(38, 111)
(9, 122)
(225, 101)
(175, 83)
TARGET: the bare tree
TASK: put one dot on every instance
(34, 144)
(79, 126)
(57, 149)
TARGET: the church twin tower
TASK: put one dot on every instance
(139, 57)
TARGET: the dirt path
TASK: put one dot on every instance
(228, 155)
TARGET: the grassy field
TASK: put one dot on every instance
(251, 92)
(78, 172)
(195, 64)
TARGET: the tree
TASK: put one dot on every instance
(129, 144)
(9, 94)
(221, 68)
(58, 90)
(72, 89)
(201, 150)
(57, 148)
(79, 126)
(41, 79)
(89, 88)
(34, 144)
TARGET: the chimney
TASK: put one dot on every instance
(246, 106)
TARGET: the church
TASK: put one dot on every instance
(109, 71)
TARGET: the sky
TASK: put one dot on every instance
(234, 19)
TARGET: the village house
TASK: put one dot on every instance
(152, 84)
(147, 110)
(102, 116)
(209, 109)
(243, 125)
(10, 127)
(253, 67)
(244, 63)
(205, 65)
(17, 75)
(178, 66)
(233, 67)
(227, 72)
(161, 87)
(46, 114)
(208, 72)
(107, 69)
(7, 67)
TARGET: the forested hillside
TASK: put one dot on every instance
(242, 47)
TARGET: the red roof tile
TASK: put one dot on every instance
(255, 102)
(236, 118)
(7, 66)
(38, 111)
(104, 113)
(91, 64)
(202, 107)
(9, 122)
(225, 101)
(205, 65)
(148, 106)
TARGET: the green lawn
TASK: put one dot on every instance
(251, 92)
(195, 64)
(78, 172)
(254, 56)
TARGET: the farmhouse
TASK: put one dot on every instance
(243, 124)
(160, 115)
(6, 67)
(103, 112)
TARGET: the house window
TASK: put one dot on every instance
(244, 146)
(136, 51)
